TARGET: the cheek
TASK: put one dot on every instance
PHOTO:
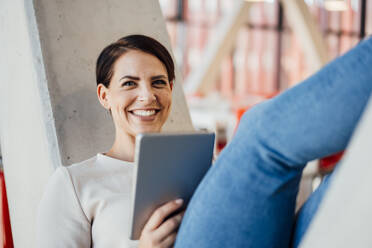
(121, 100)
(119, 104)
(165, 98)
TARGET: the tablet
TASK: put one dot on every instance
(167, 167)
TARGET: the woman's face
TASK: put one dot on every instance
(139, 95)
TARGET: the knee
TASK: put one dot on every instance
(255, 121)
(262, 131)
(250, 134)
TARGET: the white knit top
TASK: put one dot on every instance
(87, 205)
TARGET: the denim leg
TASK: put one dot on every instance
(308, 210)
(247, 199)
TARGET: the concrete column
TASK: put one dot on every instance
(26, 147)
(48, 107)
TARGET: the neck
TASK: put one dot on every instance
(123, 147)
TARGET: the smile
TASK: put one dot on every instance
(149, 112)
(145, 114)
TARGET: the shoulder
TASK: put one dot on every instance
(82, 167)
(68, 175)
(64, 174)
(70, 179)
(97, 169)
(60, 190)
(81, 175)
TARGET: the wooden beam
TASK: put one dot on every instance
(202, 78)
(307, 32)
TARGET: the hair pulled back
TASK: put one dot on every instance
(107, 58)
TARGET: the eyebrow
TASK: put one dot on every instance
(129, 77)
(137, 78)
(158, 77)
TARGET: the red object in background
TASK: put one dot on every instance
(6, 239)
(240, 112)
(221, 145)
(327, 164)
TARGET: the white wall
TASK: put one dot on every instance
(344, 218)
(24, 143)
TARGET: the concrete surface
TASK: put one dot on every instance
(72, 35)
(26, 147)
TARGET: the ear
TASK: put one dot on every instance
(171, 84)
(102, 94)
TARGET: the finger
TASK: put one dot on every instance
(161, 213)
(169, 241)
(168, 226)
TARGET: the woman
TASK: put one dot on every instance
(87, 204)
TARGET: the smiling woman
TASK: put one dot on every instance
(136, 87)
(139, 95)
(87, 204)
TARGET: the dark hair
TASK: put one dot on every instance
(109, 55)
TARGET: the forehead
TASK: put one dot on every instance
(138, 63)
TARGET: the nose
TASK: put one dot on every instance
(146, 94)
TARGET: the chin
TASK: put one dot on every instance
(148, 130)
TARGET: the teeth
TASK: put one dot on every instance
(144, 112)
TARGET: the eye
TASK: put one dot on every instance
(159, 83)
(128, 84)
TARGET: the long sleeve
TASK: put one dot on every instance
(61, 221)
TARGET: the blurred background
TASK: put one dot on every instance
(267, 57)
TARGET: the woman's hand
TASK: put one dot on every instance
(159, 233)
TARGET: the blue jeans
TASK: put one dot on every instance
(308, 210)
(247, 199)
